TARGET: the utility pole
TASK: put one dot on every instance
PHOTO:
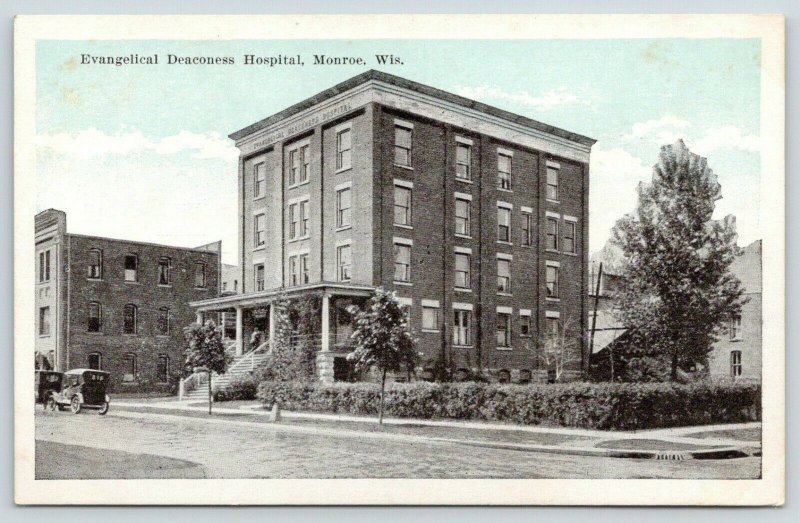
(594, 318)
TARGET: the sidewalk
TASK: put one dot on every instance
(703, 442)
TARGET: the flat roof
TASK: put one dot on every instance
(135, 242)
(373, 74)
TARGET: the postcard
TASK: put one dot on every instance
(393, 260)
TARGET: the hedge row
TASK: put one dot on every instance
(607, 406)
(242, 387)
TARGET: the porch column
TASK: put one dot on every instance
(272, 326)
(326, 322)
(199, 318)
(239, 333)
(222, 323)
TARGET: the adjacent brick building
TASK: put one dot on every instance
(477, 217)
(116, 305)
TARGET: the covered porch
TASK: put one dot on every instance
(242, 315)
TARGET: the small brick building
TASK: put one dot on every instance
(476, 217)
(116, 305)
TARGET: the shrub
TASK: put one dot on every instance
(607, 406)
(242, 387)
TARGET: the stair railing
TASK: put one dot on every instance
(190, 383)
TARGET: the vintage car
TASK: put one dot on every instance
(46, 383)
(82, 389)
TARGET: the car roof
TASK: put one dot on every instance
(81, 371)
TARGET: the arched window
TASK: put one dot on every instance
(95, 361)
(94, 269)
(95, 317)
(129, 367)
(164, 321)
(131, 268)
(130, 319)
(504, 376)
(200, 275)
(162, 369)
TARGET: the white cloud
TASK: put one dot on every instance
(544, 101)
(92, 143)
(669, 128)
(726, 136)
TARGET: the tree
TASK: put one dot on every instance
(382, 339)
(558, 352)
(677, 289)
(294, 351)
(205, 351)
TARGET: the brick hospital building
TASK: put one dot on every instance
(475, 216)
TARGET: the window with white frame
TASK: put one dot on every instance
(503, 337)
(504, 171)
(570, 233)
(343, 207)
(552, 326)
(525, 323)
(305, 215)
(294, 270)
(402, 262)
(552, 280)
(130, 319)
(402, 205)
(462, 216)
(259, 180)
(552, 182)
(462, 270)
(164, 321)
(430, 317)
(95, 317)
(44, 266)
(736, 363)
(44, 321)
(552, 233)
(527, 229)
(94, 269)
(305, 163)
(463, 161)
(299, 160)
(462, 327)
(303, 263)
(735, 328)
(259, 230)
(343, 150)
(200, 275)
(504, 224)
(164, 264)
(131, 268)
(402, 145)
(294, 221)
(503, 275)
(129, 367)
(258, 276)
(343, 257)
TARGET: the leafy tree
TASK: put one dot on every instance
(677, 289)
(294, 351)
(205, 351)
(383, 339)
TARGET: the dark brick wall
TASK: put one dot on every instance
(114, 293)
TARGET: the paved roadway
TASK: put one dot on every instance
(241, 450)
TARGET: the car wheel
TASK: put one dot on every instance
(50, 404)
(104, 409)
(75, 405)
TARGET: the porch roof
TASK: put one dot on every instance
(270, 295)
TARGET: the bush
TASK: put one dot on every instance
(239, 388)
(608, 406)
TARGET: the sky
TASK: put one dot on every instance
(141, 151)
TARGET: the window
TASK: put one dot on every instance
(553, 326)
(305, 161)
(259, 180)
(462, 216)
(298, 269)
(527, 229)
(569, 245)
(552, 183)
(430, 318)
(736, 363)
(293, 221)
(44, 321)
(224, 286)
(129, 319)
(343, 262)
(402, 205)
(294, 273)
(343, 150)
(503, 224)
(552, 281)
(504, 376)
(504, 172)
(503, 275)
(735, 328)
(162, 368)
(299, 220)
(95, 317)
(303, 263)
(95, 361)
(295, 165)
(259, 276)
(503, 330)
(259, 230)
(129, 367)
(402, 262)
(163, 271)
(462, 267)
(462, 327)
(44, 266)
(552, 234)
(343, 207)
(524, 324)
(463, 161)
(402, 146)
(200, 275)
(94, 269)
(164, 321)
(131, 268)
(304, 219)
